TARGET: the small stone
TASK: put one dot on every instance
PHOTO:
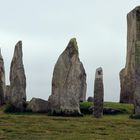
(112, 111)
(38, 105)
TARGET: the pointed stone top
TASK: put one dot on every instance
(73, 43)
(18, 46)
(19, 43)
(72, 47)
(99, 73)
(18, 51)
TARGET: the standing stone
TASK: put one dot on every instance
(2, 80)
(17, 79)
(98, 93)
(136, 44)
(129, 76)
(68, 83)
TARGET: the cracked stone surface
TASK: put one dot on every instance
(68, 82)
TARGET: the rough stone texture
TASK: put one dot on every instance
(68, 83)
(2, 80)
(130, 72)
(130, 75)
(17, 79)
(136, 14)
(98, 93)
(7, 97)
(38, 105)
(90, 99)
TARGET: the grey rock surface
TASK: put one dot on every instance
(68, 83)
(135, 16)
(128, 74)
(38, 105)
(18, 79)
(98, 93)
(2, 79)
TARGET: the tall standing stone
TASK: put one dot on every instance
(98, 93)
(130, 75)
(136, 18)
(17, 79)
(2, 79)
(68, 83)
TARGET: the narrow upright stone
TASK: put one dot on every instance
(17, 79)
(68, 83)
(2, 79)
(98, 93)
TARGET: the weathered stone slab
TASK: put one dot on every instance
(68, 83)
(98, 93)
(38, 105)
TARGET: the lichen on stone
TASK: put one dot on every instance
(74, 43)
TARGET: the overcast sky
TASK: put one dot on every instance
(45, 28)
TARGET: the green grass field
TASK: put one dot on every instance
(30, 126)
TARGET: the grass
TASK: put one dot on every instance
(125, 108)
(28, 126)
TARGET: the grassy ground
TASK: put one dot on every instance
(43, 127)
(124, 108)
